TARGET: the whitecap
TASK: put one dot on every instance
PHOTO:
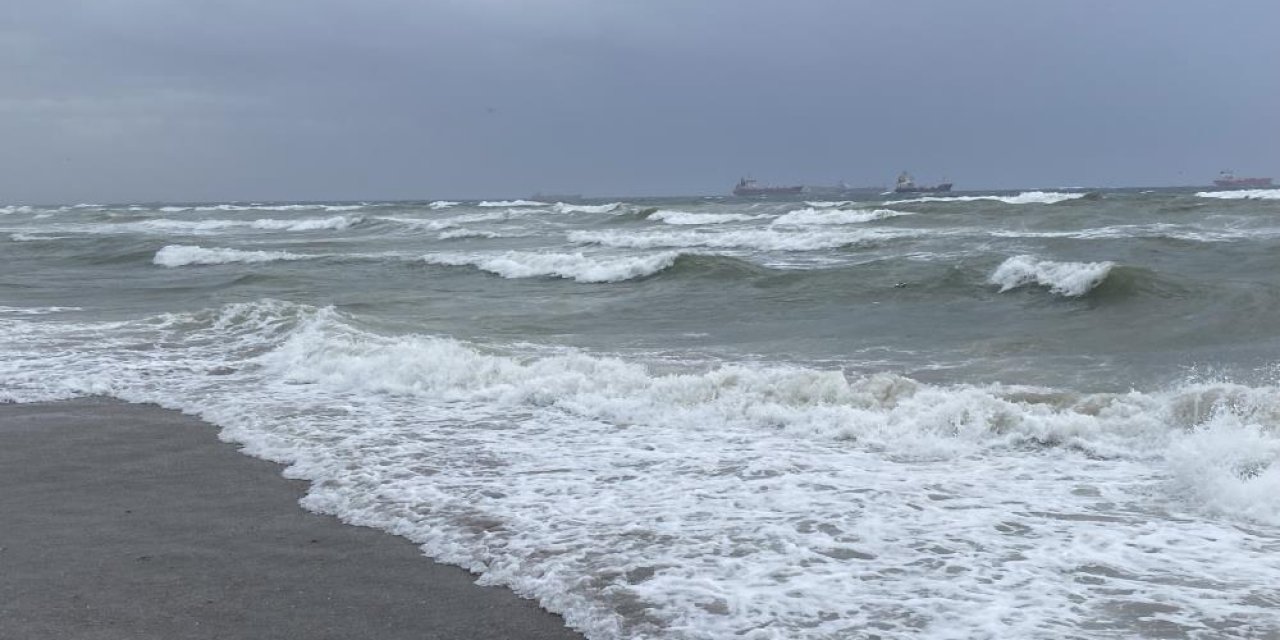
(561, 207)
(686, 218)
(511, 203)
(1069, 279)
(760, 239)
(816, 216)
(1026, 197)
(176, 255)
(1243, 194)
(571, 266)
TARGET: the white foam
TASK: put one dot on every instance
(36, 311)
(561, 207)
(815, 216)
(176, 255)
(1243, 194)
(729, 500)
(1026, 197)
(759, 239)
(828, 204)
(1070, 279)
(687, 218)
(572, 266)
(468, 233)
(16, 209)
(335, 223)
(443, 204)
(511, 203)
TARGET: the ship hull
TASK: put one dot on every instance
(941, 188)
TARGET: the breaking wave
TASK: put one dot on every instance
(728, 496)
(571, 266)
(452, 234)
(335, 223)
(1069, 279)
(257, 207)
(686, 218)
(176, 255)
(1026, 197)
(760, 239)
(1243, 194)
(815, 216)
(561, 207)
(511, 203)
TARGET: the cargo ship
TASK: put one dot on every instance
(907, 184)
(749, 187)
(1228, 180)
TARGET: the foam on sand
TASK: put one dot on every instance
(571, 266)
(1069, 279)
(728, 500)
(176, 255)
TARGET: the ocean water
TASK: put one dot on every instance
(1046, 414)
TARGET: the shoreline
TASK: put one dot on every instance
(133, 521)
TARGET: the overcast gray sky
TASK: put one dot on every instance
(148, 100)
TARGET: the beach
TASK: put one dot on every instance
(132, 521)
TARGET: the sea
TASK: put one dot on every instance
(1027, 414)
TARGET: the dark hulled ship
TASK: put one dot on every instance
(907, 184)
(749, 187)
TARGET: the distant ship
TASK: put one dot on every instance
(907, 184)
(1228, 180)
(749, 187)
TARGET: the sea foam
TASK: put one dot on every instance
(686, 218)
(759, 239)
(1069, 279)
(176, 255)
(561, 207)
(511, 203)
(821, 216)
(572, 266)
(335, 223)
(1243, 194)
(1026, 197)
(730, 498)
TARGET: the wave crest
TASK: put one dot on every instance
(1026, 197)
(177, 255)
(1069, 279)
(759, 239)
(670, 216)
(1243, 194)
(816, 216)
(571, 266)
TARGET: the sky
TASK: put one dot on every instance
(204, 100)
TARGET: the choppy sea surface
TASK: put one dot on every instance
(1042, 414)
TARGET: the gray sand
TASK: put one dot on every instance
(134, 522)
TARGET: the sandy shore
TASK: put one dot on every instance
(134, 522)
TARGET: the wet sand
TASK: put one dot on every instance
(135, 522)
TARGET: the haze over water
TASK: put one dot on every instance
(1042, 414)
